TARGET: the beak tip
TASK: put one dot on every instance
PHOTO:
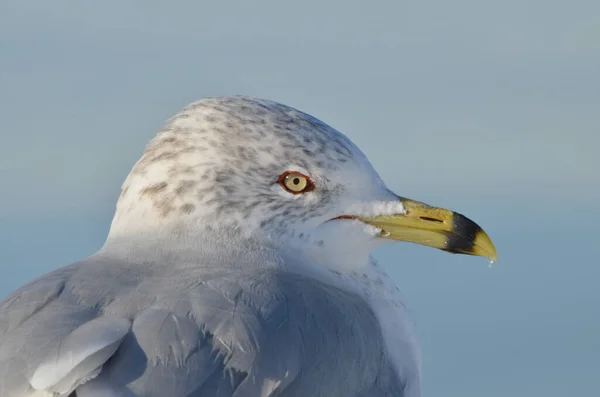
(485, 247)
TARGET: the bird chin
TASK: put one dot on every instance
(344, 245)
(369, 230)
(348, 236)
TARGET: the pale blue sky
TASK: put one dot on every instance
(488, 108)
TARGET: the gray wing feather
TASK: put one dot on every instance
(80, 355)
(222, 334)
(165, 354)
(212, 342)
(50, 343)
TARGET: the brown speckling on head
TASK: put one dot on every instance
(164, 156)
(164, 208)
(185, 186)
(187, 208)
(223, 156)
(153, 189)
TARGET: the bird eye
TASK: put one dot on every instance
(295, 182)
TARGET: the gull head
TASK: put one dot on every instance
(243, 168)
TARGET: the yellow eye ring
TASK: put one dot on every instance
(295, 182)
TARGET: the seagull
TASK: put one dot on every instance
(238, 264)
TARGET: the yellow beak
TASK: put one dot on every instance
(435, 227)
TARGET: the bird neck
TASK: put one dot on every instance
(230, 249)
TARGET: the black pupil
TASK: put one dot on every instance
(296, 181)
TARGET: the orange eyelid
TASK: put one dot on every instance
(310, 185)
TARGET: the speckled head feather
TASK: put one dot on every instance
(216, 165)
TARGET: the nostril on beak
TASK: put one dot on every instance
(425, 218)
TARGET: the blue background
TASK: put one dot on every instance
(489, 108)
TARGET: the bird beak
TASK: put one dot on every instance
(434, 227)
